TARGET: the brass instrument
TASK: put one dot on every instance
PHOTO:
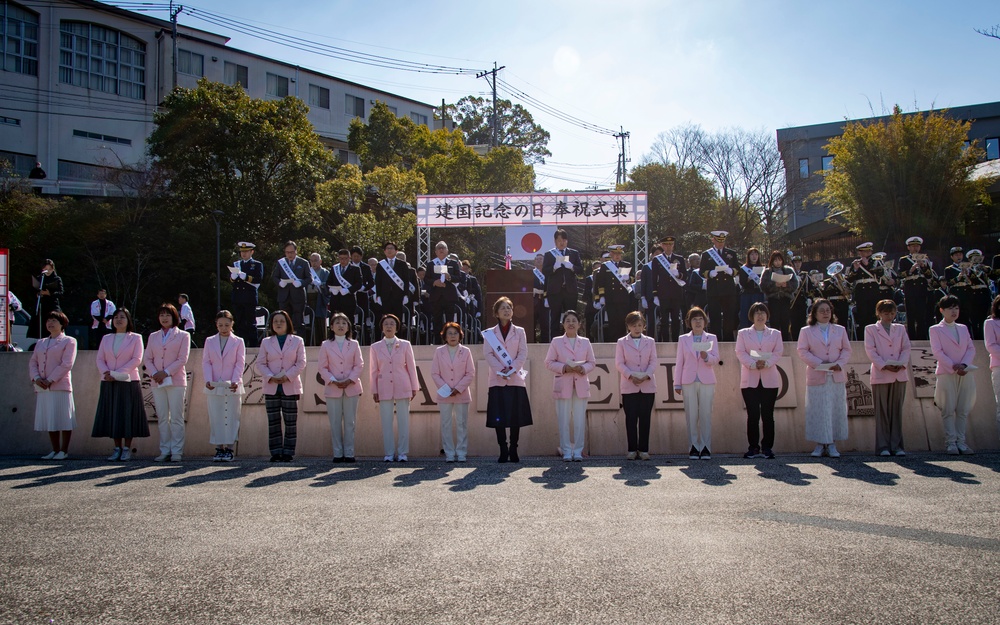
(835, 270)
(887, 272)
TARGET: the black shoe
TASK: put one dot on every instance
(503, 453)
(338, 460)
(751, 453)
(769, 454)
(286, 458)
(693, 454)
(275, 458)
(705, 454)
(513, 454)
(349, 459)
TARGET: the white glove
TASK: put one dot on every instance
(729, 270)
(713, 273)
(406, 300)
(297, 283)
(233, 276)
(567, 264)
(656, 300)
(645, 304)
(600, 304)
(242, 275)
(546, 301)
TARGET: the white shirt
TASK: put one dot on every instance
(188, 315)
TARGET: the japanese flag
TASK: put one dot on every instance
(526, 241)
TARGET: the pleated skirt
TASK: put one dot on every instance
(120, 411)
(508, 407)
(54, 411)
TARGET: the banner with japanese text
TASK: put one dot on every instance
(544, 209)
(4, 302)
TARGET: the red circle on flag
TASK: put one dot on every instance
(531, 242)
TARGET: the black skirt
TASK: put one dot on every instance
(120, 411)
(508, 407)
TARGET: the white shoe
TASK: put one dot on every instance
(388, 458)
(643, 455)
(631, 456)
(62, 455)
(117, 455)
(176, 458)
(831, 449)
(965, 450)
(402, 458)
(952, 450)
(567, 458)
(49, 456)
(162, 457)
(126, 454)
(900, 452)
(885, 452)
(818, 452)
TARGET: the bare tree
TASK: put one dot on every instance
(993, 32)
(680, 146)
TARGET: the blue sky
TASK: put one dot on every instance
(648, 65)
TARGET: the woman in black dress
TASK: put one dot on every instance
(48, 290)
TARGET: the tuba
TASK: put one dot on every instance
(835, 271)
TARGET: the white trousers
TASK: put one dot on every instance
(575, 409)
(224, 418)
(955, 395)
(402, 408)
(995, 376)
(169, 403)
(455, 445)
(343, 412)
(698, 399)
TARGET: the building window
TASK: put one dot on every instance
(319, 97)
(418, 118)
(237, 74)
(18, 39)
(190, 63)
(102, 59)
(392, 109)
(992, 149)
(348, 158)
(803, 168)
(101, 137)
(354, 107)
(21, 164)
(10, 121)
(68, 170)
(277, 85)
(827, 163)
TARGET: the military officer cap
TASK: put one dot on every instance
(453, 257)
(914, 241)
(813, 272)
(867, 245)
(246, 246)
(955, 250)
(667, 239)
(719, 234)
(796, 258)
(616, 248)
(605, 256)
(975, 253)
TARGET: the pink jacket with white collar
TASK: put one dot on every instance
(170, 357)
(814, 352)
(689, 363)
(53, 360)
(458, 373)
(947, 350)
(558, 355)
(343, 363)
(750, 375)
(393, 375)
(881, 347)
(517, 347)
(219, 365)
(128, 359)
(991, 334)
(629, 359)
(272, 359)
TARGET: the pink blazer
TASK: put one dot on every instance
(750, 375)
(814, 352)
(629, 358)
(517, 346)
(171, 357)
(128, 359)
(690, 365)
(345, 364)
(991, 333)
(393, 376)
(458, 374)
(272, 359)
(949, 352)
(881, 347)
(558, 355)
(217, 365)
(53, 360)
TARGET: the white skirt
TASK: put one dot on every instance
(224, 418)
(54, 411)
(826, 412)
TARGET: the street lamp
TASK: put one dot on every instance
(217, 215)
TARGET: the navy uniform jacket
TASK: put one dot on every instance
(388, 291)
(561, 281)
(664, 286)
(346, 303)
(608, 286)
(722, 284)
(289, 293)
(474, 290)
(244, 291)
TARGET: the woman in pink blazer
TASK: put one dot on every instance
(453, 371)
(991, 334)
(954, 391)
(759, 378)
(121, 414)
(167, 352)
(571, 358)
(506, 350)
(281, 360)
(51, 368)
(635, 360)
(824, 347)
(694, 379)
(393, 377)
(222, 363)
(340, 366)
(886, 342)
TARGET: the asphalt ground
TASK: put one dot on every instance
(860, 539)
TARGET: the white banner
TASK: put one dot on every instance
(4, 287)
(533, 209)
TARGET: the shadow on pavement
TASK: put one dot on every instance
(361, 471)
(781, 472)
(483, 475)
(430, 472)
(304, 472)
(638, 473)
(559, 476)
(709, 473)
(860, 469)
(923, 467)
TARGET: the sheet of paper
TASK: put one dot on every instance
(780, 278)
(760, 355)
(233, 269)
(759, 269)
(439, 269)
(642, 375)
(895, 363)
(826, 366)
(703, 346)
(444, 391)
(722, 268)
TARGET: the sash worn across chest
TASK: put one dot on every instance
(538, 274)
(751, 274)
(714, 253)
(610, 266)
(384, 263)
(666, 265)
(344, 282)
(283, 262)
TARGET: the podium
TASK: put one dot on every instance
(517, 284)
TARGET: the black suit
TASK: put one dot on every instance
(244, 299)
(560, 283)
(618, 301)
(346, 301)
(671, 296)
(445, 300)
(291, 298)
(389, 292)
(46, 304)
(723, 295)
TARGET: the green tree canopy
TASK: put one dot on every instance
(903, 174)
(516, 127)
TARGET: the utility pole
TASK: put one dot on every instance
(494, 124)
(174, 12)
(622, 158)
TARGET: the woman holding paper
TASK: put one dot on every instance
(506, 350)
(749, 275)
(340, 366)
(758, 348)
(453, 371)
(824, 347)
(222, 364)
(51, 367)
(779, 284)
(571, 358)
(694, 380)
(888, 347)
(955, 390)
(281, 360)
(635, 360)
(991, 334)
(121, 414)
(167, 352)
(393, 377)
